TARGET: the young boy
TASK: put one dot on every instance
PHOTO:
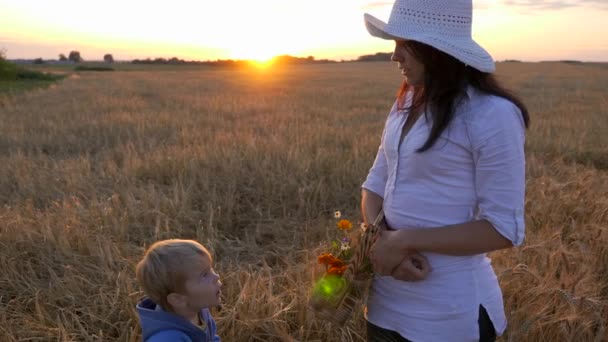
(178, 278)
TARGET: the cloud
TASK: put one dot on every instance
(7, 40)
(557, 4)
(377, 4)
(526, 4)
(481, 5)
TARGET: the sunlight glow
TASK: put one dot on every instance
(263, 64)
(261, 54)
(260, 30)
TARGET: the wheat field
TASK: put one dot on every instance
(253, 163)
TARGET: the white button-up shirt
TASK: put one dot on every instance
(475, 170)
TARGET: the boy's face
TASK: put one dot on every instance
(202, 287)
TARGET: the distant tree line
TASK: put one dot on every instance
(10, 71)
(377, 57)
(173, 60)
(284, 59)
(75, 57)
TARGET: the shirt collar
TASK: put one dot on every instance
(470, 91)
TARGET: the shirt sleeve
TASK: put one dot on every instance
(498, 137)
(378, 174)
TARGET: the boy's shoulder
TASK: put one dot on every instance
(169, 335)
(158, 325)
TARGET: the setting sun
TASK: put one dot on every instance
(261, 53)
(263, 64)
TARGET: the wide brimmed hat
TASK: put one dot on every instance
(442, 24)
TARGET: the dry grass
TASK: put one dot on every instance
(251, 164)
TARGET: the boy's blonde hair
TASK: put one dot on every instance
(164, 267)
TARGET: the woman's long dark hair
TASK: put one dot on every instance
(446, 80)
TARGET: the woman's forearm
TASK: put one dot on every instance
(371, 204)
(469, 238)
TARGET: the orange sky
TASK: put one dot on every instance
(528, 30)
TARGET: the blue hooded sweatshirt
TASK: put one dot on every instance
(158, 325)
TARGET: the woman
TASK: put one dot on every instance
(450, 178)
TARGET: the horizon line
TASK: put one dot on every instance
(314, 59)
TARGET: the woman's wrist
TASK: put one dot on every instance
(405, 240)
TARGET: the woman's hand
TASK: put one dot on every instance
(386, 253)
(414, 267)
(391, 256)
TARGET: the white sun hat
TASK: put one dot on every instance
(442, 24)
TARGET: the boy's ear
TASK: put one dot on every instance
(176, 300)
